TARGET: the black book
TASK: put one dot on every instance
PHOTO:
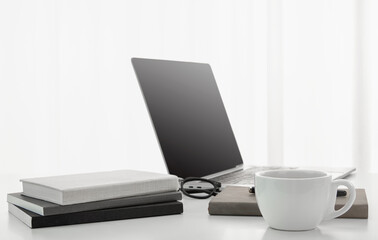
(45, 208)
(34, 220)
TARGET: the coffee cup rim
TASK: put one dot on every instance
(262, 174)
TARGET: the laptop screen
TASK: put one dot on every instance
(189, 117)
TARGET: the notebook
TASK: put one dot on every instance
(34, 220)
(89, 187)
(45, 208)
(234, 200)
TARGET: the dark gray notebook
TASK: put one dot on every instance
(47, 208)
(149, 210)
(235, 200)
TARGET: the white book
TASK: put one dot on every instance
(89, 187)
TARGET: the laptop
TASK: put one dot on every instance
(191, 122)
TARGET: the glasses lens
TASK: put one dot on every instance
(198, 188)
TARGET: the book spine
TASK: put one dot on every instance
(108, 215)
(113, 203)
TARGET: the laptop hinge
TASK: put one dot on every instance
(234, 169)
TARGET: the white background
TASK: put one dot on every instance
(297, 77)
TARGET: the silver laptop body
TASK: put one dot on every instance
(191, 123)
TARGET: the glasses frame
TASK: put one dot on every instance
(189, 192)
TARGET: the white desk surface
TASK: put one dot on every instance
(194, 223)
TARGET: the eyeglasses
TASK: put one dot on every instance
(199, 188)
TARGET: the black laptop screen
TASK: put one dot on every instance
(189, 117)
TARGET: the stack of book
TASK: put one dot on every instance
(95, 197)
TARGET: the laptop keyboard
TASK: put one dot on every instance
(243, 177)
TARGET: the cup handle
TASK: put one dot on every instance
(331, 213)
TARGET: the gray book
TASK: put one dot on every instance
(90, 187)
(34, 220)
(45, 208)
(235, 200)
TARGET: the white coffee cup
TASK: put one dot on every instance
(299, 200)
